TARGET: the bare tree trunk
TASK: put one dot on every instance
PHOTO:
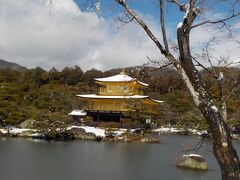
(222, 98)
(222, 145)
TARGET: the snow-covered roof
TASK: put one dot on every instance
(94, 96)
(120, 78)
(78, 113)
(156, 100)
(111, 97)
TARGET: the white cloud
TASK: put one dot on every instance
(31, 36)
(223, 45)
(237, 26)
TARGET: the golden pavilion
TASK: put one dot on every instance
(113, 98)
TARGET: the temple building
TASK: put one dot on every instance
(113, 98)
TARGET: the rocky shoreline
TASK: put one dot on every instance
(100, 134)
(80, 133)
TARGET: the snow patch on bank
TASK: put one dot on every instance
(14, 130)
(170, 130)
(99, 131)
(4, 131)
(119, 132)
(19, 130)
(88, 129)
(179, 130)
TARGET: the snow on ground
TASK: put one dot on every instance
(161, 129)
(202, 132)
(101, 132)
(19, 130)
(194, 131)
(88, 129)
(171, 130)
(4, 131)
(98, 131)
(177, 130)
(14, 130)
(119, 132)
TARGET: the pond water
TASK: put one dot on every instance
(23, 159)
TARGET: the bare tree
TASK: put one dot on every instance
(222, 145)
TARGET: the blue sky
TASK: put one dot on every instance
(151, 7)
(70, 35)
(146, 7)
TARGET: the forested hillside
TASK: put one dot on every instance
(6, 64)
(48, 96)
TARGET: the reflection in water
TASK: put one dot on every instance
(41, 160)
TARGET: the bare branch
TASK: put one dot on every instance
(219, 77)
(149, 32)
(164, 66)
(130, 19)
(232, 63)
(180, 5)
(49, 3)
(142, 23)
(235, 89)
(160, 67)
(197, 146)
(208, 57)
(201, 65)
(217, 21)
(158, 63)
(163, 25)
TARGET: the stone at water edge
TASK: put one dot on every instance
(90, 136)
(149, 139)
(29, 124)
(78, 133)
(58, 135)
(81, 134)
(192, 161)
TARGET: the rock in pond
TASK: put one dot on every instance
(133, 138)
(80, 133)
(149, 139)
(58, 136)
(1, 134)
(192, 161)
(90, 136)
